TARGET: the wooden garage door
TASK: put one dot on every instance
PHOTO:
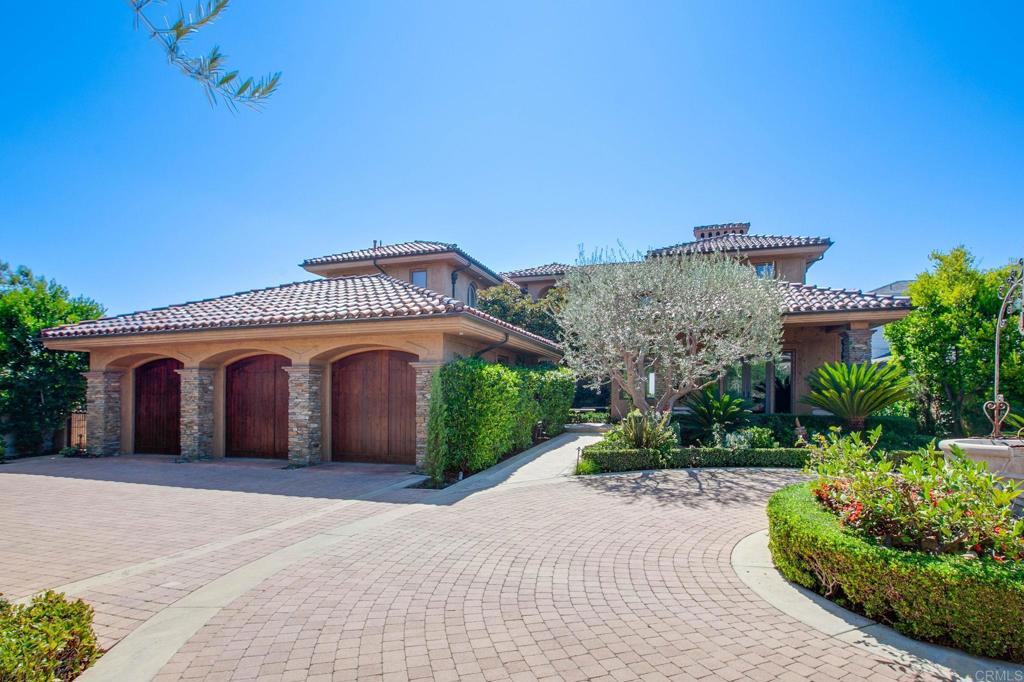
(373, 408)
(158, 408)
(256, 407)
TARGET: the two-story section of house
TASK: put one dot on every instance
(820, 324)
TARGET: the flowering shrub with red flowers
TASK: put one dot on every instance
(927, 501)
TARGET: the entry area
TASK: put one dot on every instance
(256, 407)
(158, 408)
(373, 408)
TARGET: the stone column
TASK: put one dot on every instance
(856, 345)
(196, 413)
(424, 377)
(103, 412)
(304, 414)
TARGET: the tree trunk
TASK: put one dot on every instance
(856, 423)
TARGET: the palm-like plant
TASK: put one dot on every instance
(856, 391)
(708, 410)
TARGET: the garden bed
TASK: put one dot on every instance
(973, 604)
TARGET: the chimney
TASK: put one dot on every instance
(708, 231)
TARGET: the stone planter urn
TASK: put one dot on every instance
(1004, 457)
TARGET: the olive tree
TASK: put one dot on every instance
(687, 319)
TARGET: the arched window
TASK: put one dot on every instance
(471, 294)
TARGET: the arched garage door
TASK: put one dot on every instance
(158, 408)
(256, 407)
(373, 408)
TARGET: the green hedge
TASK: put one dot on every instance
(972, 604)
(49, 639)
(899, 433)
(480, 411)
(610, 459)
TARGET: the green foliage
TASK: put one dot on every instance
(589, 417)
(971, 604)
(927, 501)
(49, 640)
(947, 343)
(608, 457)
(758, 437)
(651, 431)
(708, 410)
(898, 433)
(207, 70)
(587, 467)
(856, 391)
(508, 302)
(38, 387)
(481, 411)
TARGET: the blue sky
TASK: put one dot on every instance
(518, 130)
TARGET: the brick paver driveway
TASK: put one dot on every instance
(521, 573)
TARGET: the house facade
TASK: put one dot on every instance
(819, 325)
(339, 367)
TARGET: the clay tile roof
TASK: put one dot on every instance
(807, 298)
(739, 242)
(385, 251)
(552, 269)
(360, 297)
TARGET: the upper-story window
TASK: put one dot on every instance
(765, 270)
(419, 278)
(471, 294)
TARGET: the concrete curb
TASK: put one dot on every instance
(752, 562)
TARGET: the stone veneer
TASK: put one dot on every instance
(196, 413)
(103, 412)
(304, 414)
(856, 345)
(424, 377)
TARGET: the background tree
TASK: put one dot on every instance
(38, 388)
(685, 319)
(508, 302)
(208, 70)
(947, 342)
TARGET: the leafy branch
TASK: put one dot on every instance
(209, 70)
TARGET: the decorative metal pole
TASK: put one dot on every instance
(997, 409)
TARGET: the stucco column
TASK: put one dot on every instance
(856, 345)
(103, 412)
(424, 377)
(304, 414)
(196, 413)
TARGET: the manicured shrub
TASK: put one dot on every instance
(609, 458)
(555, 391)
(972, 604)
(49, 640)
(481, 411)
(586, 467)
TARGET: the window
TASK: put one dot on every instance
(471, 294)
(650, 384)
(765, 270)
(419, 278)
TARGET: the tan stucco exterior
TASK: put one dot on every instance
(436, 340)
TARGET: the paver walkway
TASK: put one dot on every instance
(520, 573)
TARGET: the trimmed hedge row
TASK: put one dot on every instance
(480, 411)
(49, 639)
(972, 604)
(609, 459)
